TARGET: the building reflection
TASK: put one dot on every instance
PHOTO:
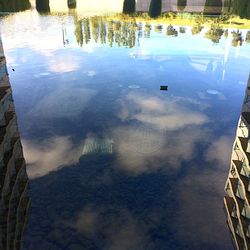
(14, 201)
(237, 200)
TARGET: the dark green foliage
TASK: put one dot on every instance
(42, 6)
(155, 8)
(14, 5)
(226, 33)
(129, 6)
(241, 8)
(213, 7)
(71, 4)
(147, 30)
(181, 4)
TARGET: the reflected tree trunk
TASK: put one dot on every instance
(42, 6)
(72, 4)
(181, 4)
(129, 6)
(155, 8)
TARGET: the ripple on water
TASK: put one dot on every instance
(213, 92)
(133, 86)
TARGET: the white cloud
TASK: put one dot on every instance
(70, 102)
(50, 155)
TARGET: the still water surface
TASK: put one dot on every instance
(113, 162)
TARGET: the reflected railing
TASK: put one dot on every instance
(14, 200)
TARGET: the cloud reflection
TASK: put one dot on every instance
(50, 155)
(118, 227)
(165, 114)
(69, 102)
(148, 142)
(64, 63)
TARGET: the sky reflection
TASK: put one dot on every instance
(114, 162)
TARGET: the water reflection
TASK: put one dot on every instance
(237, 201)
(14, 202)
(114, 162)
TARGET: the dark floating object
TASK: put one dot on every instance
(164, 87)
(13, 69)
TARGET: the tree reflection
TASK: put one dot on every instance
(237, 38)
(182, 30)
(95, 27)
(78, 30)
(155, 8)
(126, 32)
(214, 33)
(248, 37)
(103, 31)
(158, 28)
(171, 31)
(129, 6)
(110, 33)
(107, 31)
(86, 27)
(14, 5)
(197, 29)
(71, 4)
(117, 30)
(147, 30)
